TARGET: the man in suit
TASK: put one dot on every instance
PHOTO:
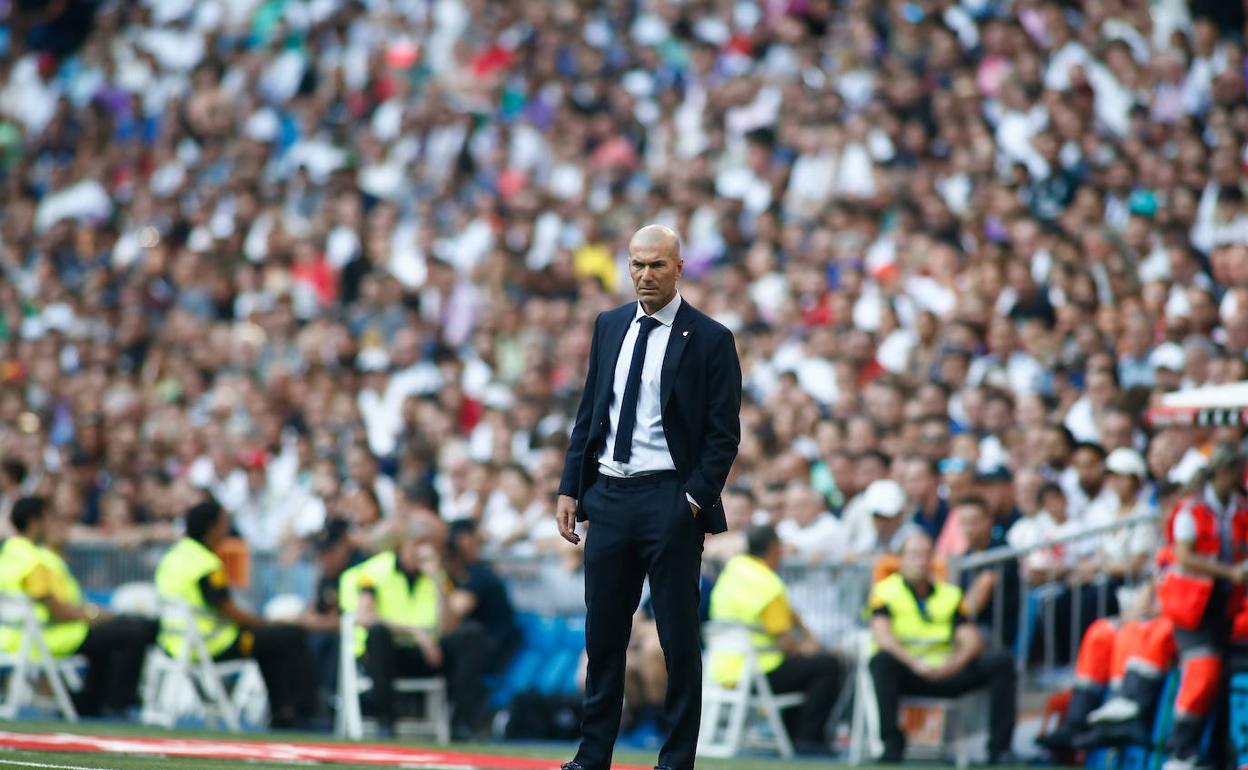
(655, 436)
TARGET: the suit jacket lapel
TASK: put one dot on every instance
(615, 340)
(681, 330)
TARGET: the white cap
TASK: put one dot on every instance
(1126, 462)
(885, 497)
(1168, 355)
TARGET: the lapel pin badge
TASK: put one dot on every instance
(686, 334)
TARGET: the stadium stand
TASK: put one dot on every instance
(334, 263)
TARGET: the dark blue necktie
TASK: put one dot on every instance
(632, 389)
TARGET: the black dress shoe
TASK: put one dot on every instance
(572, 766)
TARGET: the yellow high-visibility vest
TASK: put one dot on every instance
(745, 588)
(177, 578)
(63, 638)
(925, 632)
(20, 558)
(397, 600)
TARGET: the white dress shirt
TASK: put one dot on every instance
(650, 453)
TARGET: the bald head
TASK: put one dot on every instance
(654, 263)
(658, 238)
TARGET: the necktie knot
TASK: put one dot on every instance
(647, 323)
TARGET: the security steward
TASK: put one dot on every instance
(750, 592)
(191, 572)
(1205, 565)
(114, 647)
(925, 645)
(405, 627)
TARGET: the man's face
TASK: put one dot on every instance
(1116, 430)
(1055, 504)
(1126, 487)
(916, 559)
(468, 546)
(654, 272)
(801, 504)
(1026, 484)
(1089, 469)
(1055, 448)
(885, 527)
(975, 524)
(414, 552)
(1229, 478)
(918, 480)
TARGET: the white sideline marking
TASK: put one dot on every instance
(42, 764)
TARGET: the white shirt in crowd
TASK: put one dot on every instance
(1041, 527)
(1121, 545)
(822, 540)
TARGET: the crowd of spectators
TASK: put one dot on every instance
(334, 259)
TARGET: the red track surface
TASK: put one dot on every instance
(345, 753)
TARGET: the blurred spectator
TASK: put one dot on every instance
(12, 476)
(883, 502)
(990, 594)
(192, 573)
(925, 645)
(480, 596)
(1084, 480)
(385, 231)
(402, 598)
(920, 481)
(750, 592)
(335, 554)
(810, 533)
(1048, 523)
(1124, 553)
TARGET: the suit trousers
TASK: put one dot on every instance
(641, 527)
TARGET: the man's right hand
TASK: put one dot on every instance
(565, 517)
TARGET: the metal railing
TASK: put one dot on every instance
(830, 598)
(1037, 602)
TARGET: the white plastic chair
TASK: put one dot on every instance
(349, 721)
(192, 684)
(32, 660)
(864, 733)
(284, 608)
(726, 711)
(136, 598)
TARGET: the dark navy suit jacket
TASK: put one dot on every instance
(700, 394)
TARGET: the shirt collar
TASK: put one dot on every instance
(666, 314)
